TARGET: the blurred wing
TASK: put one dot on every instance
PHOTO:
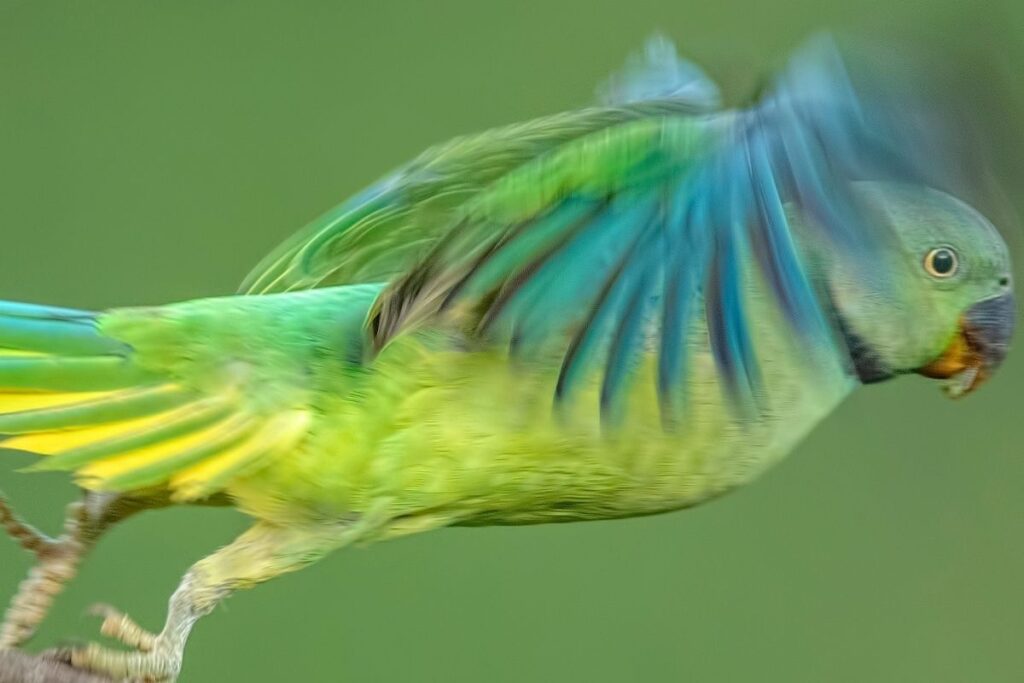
(629, 233)
(382, 231)
(659, 74)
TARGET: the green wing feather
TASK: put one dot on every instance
(608, 231)
(615, 242)
(383, 230)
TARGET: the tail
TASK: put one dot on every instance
(118, 421)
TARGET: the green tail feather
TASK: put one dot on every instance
(123, 405)
(197, 417)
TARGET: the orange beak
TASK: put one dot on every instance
(979, 347)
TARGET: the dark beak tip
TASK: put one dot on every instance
(988, 327)
(980, 347)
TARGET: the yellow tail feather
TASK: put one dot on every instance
(56, 442)
(15, 402)
(279, 434)
(98, 473)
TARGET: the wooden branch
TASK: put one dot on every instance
(21, 667)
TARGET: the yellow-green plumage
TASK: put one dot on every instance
(430, 425)
(471, 436)
(608, 313)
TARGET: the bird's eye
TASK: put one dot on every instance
(941, 262)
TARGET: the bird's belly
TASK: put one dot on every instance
(526, 479)
(473, 437)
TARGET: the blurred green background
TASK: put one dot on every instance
(153, 151)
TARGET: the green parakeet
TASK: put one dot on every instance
(617, 311)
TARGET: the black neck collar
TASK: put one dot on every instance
(865, 362)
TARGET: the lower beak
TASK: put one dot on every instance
(980, 345)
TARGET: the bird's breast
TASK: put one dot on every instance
(479, 436)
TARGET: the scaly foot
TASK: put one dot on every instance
(155, 658)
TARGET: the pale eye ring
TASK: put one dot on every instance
(941, 262)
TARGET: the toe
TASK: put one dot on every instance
(152, 667)
(119, 626)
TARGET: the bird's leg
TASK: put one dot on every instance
(57, 559)
(56, 563)
(259, 554)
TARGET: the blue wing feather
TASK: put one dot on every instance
(638, 296)
(774, 249)
(632, 266)
(728, 328)
(609, 300)
(659, 73)
(685, 271)
(580, 267)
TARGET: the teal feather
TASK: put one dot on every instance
(688, 244)
(72, 374)
(47, 329)
(609, 302)
(513, 227)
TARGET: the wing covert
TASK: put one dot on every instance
(621, 238)
(384, 230)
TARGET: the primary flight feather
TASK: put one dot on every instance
(617, 311)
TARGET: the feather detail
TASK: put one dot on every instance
(277, 436)
(168, 411)
(523, 259)
(659, 73)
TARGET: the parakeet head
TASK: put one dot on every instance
(943, 306)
